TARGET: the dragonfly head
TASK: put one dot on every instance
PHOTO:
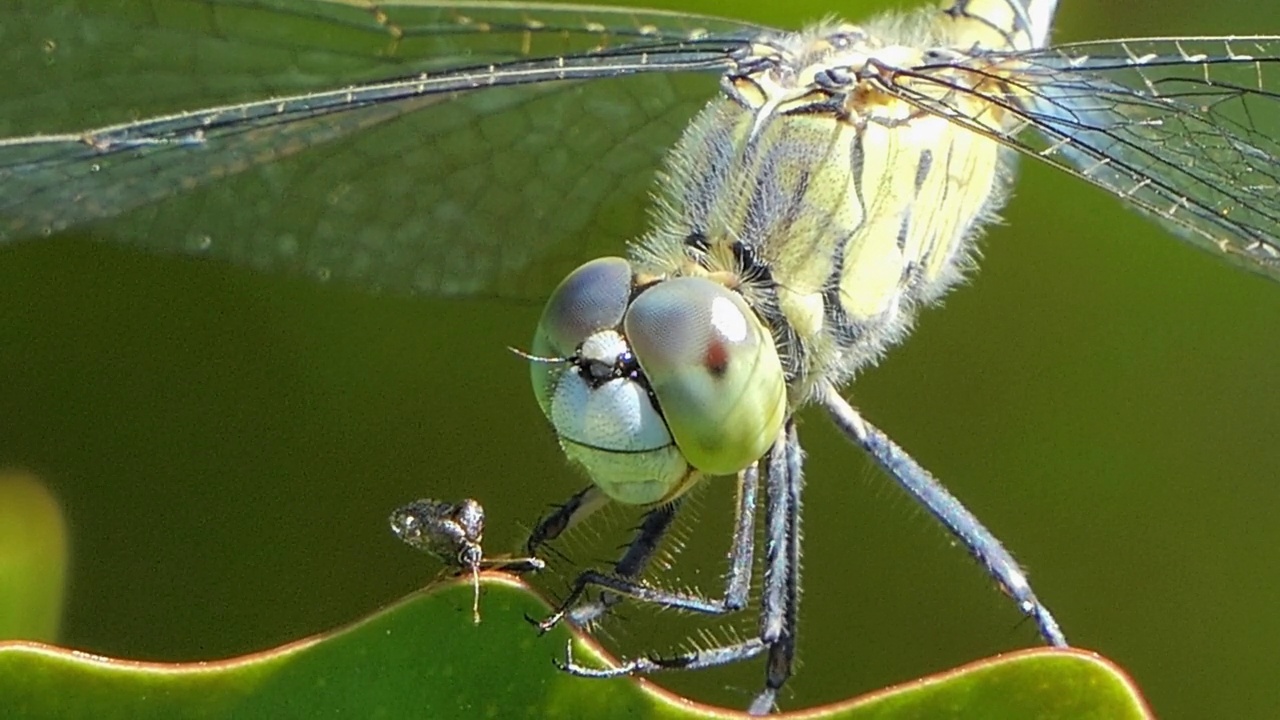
(651, 386)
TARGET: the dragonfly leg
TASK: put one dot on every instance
(780, 595)
(641, 549)
(780, 600)
(653, 527)
(944, 506)
(574, 510)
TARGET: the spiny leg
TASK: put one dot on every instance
(779, 596)
(633, 562)
(944, 506)
(640, 551)
(573, 511)
(778, 618)
(737, 584)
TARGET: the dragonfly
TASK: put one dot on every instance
(810, 192)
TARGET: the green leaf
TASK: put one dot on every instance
(33, 558)
(424, 658)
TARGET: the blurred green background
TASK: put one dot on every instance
(227, 445)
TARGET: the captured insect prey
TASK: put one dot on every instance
(724, 224)
(453, 532)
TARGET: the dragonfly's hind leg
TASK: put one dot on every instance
(944, 506)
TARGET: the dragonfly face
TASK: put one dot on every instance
(652, 383)
(821, 264)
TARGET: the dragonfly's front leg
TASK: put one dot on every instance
(622, 582)
(649, 534)
(640, 551)
(573, 511)
(779, 597)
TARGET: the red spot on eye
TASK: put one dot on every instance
(716, 360)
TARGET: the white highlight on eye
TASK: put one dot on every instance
(727, 319)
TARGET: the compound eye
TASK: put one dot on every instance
(714, 369)
(592, 298)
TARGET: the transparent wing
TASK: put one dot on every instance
(1184, 128)
(414, 184)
